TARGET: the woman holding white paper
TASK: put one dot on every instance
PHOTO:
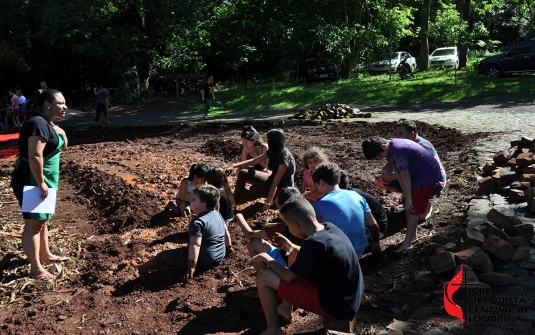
(40, 145)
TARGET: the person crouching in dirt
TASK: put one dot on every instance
(325, 277)
(387, 179)
(207, 238)
(259, 238)
(417, 172)
(378, 211)
(345, 209)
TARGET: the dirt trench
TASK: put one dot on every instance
(114, 185)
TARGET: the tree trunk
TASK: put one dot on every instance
(462, 48)
(423, 59)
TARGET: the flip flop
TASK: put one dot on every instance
(55, 260)
(45, 275)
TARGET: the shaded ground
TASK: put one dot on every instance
(114, 184)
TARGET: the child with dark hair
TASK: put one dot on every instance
(345, 209)
(217, 178)
(416, 170)
(378, 211)
(206, 247)
(252, 148)
(282, 166)
(185, 192)
(325, 277)
(311, 159)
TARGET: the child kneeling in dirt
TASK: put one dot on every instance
(207, 238)
(325, 277)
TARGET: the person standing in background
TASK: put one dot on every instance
(102, 94)
(207, 94)
(43, 88)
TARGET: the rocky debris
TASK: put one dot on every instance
(442, 262)
(425, 281)
(331, 111)
(498, 247)
(495, 279)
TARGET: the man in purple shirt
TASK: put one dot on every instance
(417, 172)
(387, 179)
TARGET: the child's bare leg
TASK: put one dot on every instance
(428, 212)
(285, 310)
(152, 264)
(267, 283)
(256, 247)
(410, 236)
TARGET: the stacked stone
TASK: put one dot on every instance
(499, 233)
(331, 111)
(512, 173)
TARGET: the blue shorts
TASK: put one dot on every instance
(276, 255)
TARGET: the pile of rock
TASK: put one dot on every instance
(512, 173)
(331, 111)
(497, 246)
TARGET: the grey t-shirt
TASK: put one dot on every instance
(211, 227)
(288, 176)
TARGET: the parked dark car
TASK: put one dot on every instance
(521, 58)
(320, 69)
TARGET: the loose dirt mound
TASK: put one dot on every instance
(128, 222)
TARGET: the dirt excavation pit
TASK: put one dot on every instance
(114, 186)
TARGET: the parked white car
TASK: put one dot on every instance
(381, 66)
(444, 57)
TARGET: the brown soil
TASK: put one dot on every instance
(114, 185)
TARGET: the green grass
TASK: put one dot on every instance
(427, 86)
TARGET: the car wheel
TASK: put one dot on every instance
(492, 71)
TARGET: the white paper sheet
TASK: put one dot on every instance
(32, 203)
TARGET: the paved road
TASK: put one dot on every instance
(511, 119)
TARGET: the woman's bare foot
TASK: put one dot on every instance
(404, 247)
(53, 259)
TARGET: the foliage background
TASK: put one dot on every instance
(134, 45)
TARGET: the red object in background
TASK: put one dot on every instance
(449, 305)
(9, 137)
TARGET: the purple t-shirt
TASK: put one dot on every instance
(409, 155)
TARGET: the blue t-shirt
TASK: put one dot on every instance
(211, 227)
(345, 209)
(409, 155)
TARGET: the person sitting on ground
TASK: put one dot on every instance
(378, 211)
(387, 179)
(345, 209)
(325, 277)
(259, 238)
(252, 148)
(311, 159)
(206, 247)
(417, 172)
(281, 163)
(185, 192)
(217, 178)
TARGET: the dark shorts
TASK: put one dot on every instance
(437, 188)
(302, 294)
(420, 199)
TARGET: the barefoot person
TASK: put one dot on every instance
(40, 145)
(387, 179)
(417, 172)
(325, 277)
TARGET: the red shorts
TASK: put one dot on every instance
(302, 294)
(420, 199)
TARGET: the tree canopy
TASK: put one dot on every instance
(134, 45)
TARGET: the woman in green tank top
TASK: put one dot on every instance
(40, 145)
